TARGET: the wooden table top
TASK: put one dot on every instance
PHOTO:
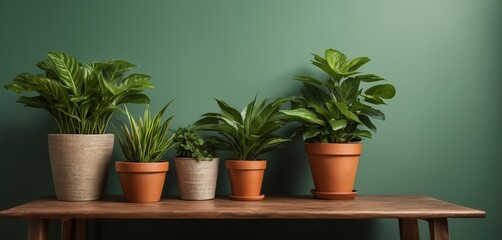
(304, 207)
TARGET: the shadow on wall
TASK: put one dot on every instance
(25, 177)
(26, 172)
(235, 229)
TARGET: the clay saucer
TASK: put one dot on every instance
(248, 198)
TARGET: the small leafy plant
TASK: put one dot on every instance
(81, 97)
(189, 144)
(145, 140)
(249, 133)
(332, 111)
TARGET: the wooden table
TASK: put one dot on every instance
(407, 209)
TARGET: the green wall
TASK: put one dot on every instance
(441, 136)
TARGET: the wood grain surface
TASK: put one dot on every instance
(363, 207)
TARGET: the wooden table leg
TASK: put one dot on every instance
(81, 229)
(67, 229)
(74, 229)
(438, 228)
(408, 229)
(37, 230)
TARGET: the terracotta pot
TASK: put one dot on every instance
(196, 179)
(142, 182)
(334, 168)
(246, 178)
(79, 163)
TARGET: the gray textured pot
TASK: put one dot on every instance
(196, 179)
(79, 163)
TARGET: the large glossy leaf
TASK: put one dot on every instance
(345, 111)
(311, 133)
(362, 134)
(21, 83)
(233, 115)
(120, 66)
(323, 65)
(330, 57)
(309, 80)
(337, 124)
(135, 82)
(349, 90)
(68, 70)
(385, 91)
(138, 98)
(374, 113)
(304, 115)
(369, 78)
(367, 122)
(354, 64)
(34, 102)
(373, 99)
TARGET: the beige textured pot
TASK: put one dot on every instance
(79, 163)
(196, 179)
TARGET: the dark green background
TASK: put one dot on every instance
(441, 136)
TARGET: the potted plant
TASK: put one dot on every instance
(247, 135)
(196, 164)
(336, 115)
(144, 143)
(81, 98)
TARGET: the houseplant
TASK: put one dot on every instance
(336, 115)
(81, 98)
(247, 135)
(196, 164)
(144, 143)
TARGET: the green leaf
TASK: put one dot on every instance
(369, 78)
(385, 91)
(374, 113)
(134, 98)
(249, 133)
(323, 65)
(146, 139)
(362, 134)
(136, 82)
(234, 115)
(355, 63)
(349, 90)
(367, 122)
(68, 70)
(311, 133)
(78, 99)
(373, 99)
(34, 102)
(337, 124)
(304, 115)
(329, 55)
(309, 80)
(345, 111)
